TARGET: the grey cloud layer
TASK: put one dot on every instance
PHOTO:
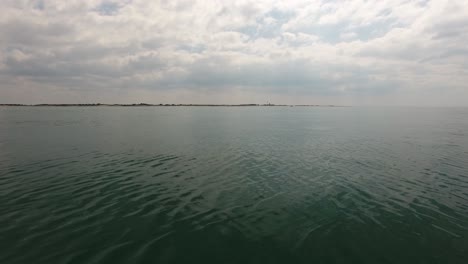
(382, 52)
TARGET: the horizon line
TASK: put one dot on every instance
(167, 104)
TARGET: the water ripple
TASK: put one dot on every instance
(250, 194)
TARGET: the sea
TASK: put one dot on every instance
(255, 184)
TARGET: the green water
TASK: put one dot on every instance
(233, 185)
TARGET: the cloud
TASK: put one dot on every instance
(347, 51)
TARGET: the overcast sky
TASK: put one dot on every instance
(386, 52)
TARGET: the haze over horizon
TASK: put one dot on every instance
(301, 52)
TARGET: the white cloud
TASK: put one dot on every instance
(348, 51)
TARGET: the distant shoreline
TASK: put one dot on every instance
(143, 105)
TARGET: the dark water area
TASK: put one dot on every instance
(233, 185)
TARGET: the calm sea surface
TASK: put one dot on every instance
(233, 185)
